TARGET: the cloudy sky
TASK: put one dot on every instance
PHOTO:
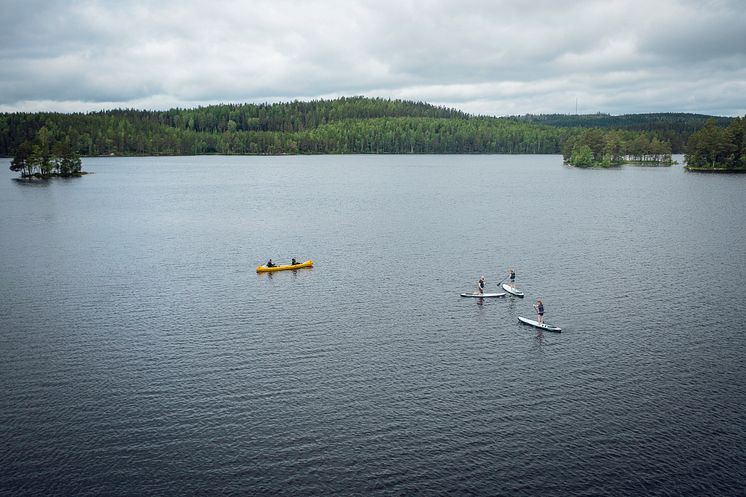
(496, 57)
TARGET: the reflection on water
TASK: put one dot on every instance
(25, 182)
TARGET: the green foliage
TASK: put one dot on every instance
(713, 147)
(674, 128)
(606, 148)
(614, 148)
(43, 157)
(66, 162)
(582, 156)
(20, 162)
(341, 126)
(345, 125)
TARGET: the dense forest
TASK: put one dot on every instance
(344, 125)
(674, 128)
(714, 148)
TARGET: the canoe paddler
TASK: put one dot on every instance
(293, 263)
(270, 263)
(480, 285)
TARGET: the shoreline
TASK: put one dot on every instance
(720, 170)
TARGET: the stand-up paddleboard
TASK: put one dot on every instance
(512, 290)
(537, 324)
(483, 295)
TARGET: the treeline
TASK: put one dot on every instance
(401, 135)
(349, 126)
(345, 125)
(198, 131)
(716, 148)
(607, 148)
(675, 128)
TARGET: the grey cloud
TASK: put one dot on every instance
(490, 57)
(701, 35)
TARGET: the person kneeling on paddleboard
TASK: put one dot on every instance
(480, 285)
(539, 306)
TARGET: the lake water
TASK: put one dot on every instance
(141, 354)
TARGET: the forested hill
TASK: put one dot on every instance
(673, 127)
(344, 125)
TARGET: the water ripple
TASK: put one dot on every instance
(154, 360)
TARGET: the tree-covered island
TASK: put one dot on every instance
(609, 148)
(716, 149)
(43, 158)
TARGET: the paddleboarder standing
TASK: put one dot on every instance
(539, 306)
(480, 285)
(511, 273)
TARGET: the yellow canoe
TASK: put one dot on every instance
(265, 269)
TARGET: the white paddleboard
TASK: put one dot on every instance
(512, 289)
(482, 295)
(537, 324)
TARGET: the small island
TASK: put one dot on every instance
(43, 158)
(596, 148)
(713, 149)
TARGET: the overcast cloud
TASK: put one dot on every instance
(484, 57)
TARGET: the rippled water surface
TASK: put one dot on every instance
(141, 354)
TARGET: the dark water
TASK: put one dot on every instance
(141, 354)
